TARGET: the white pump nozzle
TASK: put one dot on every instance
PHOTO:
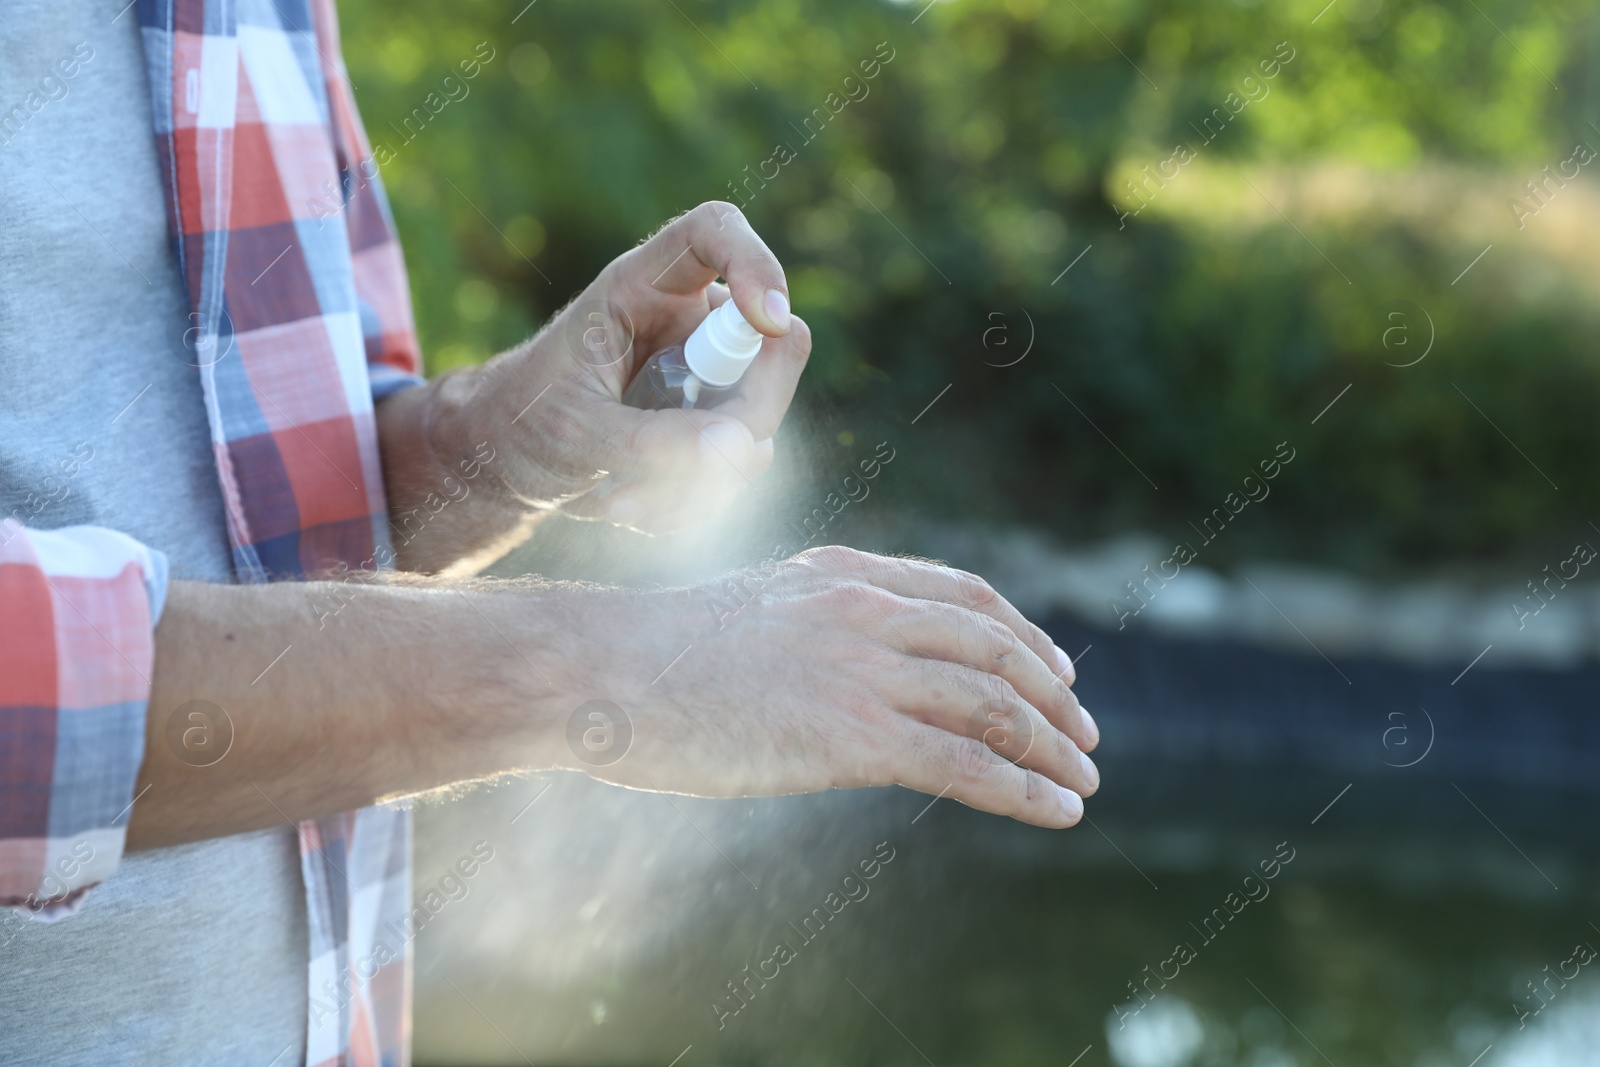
(721, 347)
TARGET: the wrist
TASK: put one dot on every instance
(538, 425)
(578, 663)
(450, 478)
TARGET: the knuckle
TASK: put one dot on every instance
(1063, 753)
(857, 600)
(996, 639)
(974, 592)
(971, 761)
(864, 706)
(1025, 735)
(1041, 639)
(672, 226)
(996, 693)
(1006, 729)
(835, 559)
(719, 211)
(1033, 787)
(875, 657)
(1066, 699)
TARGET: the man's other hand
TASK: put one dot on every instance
(838, 669)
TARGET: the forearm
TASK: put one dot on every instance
(837, 669)
(403, 690)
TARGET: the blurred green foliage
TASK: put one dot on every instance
(925, 229)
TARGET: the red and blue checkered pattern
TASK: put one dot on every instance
(298, 313)
(301, 319)
(76, 650)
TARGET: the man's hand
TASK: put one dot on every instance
(551, 408)
(839, 669)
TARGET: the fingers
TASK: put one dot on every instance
(663, 504)
(938, 631)
(768, 387)
(942, 764)
(917, 580)
(929, 581)
(968, 702)
(715, 240)
(667, 467)
(674, 455)
(671, 459)
(632, 443)
(925, 581)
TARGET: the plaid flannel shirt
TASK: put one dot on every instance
(300, 319)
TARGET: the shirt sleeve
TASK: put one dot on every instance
(78, 608)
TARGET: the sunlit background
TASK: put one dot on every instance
(1084, 266)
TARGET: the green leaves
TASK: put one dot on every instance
(987, 149)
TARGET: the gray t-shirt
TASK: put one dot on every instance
(186, 955)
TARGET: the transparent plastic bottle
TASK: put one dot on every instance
(702, 371)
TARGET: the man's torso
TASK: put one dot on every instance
(187, 955)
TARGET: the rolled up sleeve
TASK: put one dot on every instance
(78, 609)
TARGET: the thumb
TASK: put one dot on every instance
(665, 504)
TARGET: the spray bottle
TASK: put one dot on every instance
(702, 371)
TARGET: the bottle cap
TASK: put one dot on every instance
(721, 347)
